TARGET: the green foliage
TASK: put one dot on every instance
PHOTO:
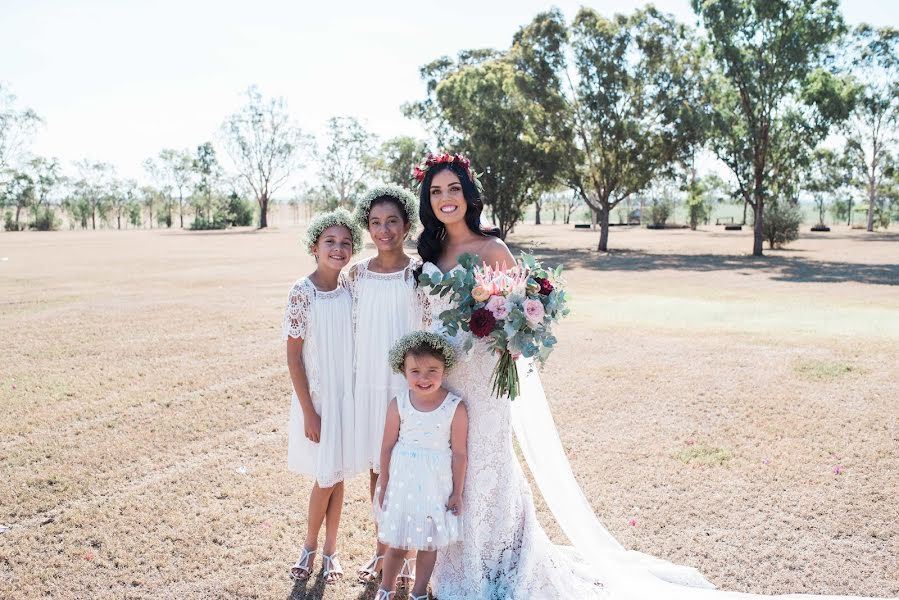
(134, 212)
(396, 158)
(239, 211)
(636, 109)
(660, 210)
(348, 160)
(43, 218)
(219, 221)
(9, 224)
(265, 146)
(781, 225)
(773, 93)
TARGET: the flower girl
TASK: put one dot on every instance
(418, 498)
(386, 306)
(318, 330)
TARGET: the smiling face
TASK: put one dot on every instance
(447, 200)
(334, 247)
(386, 225)
(424, 373)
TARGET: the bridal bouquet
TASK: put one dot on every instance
(513, 309)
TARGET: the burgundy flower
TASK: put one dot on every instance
(482, 322)
(545, 286)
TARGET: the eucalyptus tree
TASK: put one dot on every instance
(265, 146)
(629, 108)
(775, 90)
(348, 159)
(873, 130)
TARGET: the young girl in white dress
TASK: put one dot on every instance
(318, 331)
(418, 498)
(386, 306)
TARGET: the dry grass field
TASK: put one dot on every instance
(743, 411)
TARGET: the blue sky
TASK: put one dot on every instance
(118, 81)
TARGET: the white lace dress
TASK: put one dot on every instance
(324, 321)
(386, 306)
(504, 553)
(414, 516)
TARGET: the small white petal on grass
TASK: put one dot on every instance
(242, 470)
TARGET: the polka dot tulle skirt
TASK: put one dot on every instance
(414, 514)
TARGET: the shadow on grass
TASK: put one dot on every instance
(302, 590)
(781, 268)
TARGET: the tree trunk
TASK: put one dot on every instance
(93, 219)
(745, 205)
(263, 211)
(118, 221)
(181, 208)
(18, 209)
(603, 228)
(537, 219)
(758, 233)
(872, 196)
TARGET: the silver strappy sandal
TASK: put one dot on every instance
(302, 569)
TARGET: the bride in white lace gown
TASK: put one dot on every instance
(505, 552)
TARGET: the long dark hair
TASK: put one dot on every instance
(430, 240)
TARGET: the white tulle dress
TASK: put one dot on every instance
(386, 306)
(324, 321)
(414, 515)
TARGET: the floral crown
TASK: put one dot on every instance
(420, 170)
(406, 199)
(321, 222)
(416, 339)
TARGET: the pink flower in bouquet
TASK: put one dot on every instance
(533, 311)
(497, 307)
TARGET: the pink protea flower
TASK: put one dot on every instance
(533, 311)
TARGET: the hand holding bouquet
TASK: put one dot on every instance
(512, 308)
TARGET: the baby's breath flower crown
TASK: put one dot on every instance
(397, 356)
(338, 216)
(406, 199)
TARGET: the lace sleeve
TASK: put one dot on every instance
(422, 304)
(296, 315)
(351, 277)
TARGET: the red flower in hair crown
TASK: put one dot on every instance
(420, 170)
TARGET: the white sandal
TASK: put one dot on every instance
(414, 597)
(406, 577)
(369, 573)
(331, 567)
(302, 569)
(383, 594)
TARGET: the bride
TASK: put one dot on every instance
(506, 553)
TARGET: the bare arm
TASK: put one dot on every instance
(296, 367)
(391, 435)
(459, 446)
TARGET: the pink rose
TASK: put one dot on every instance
(533, 311)
(497, 307)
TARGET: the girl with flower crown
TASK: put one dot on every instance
(418, 498)
(318, 330)
(386, 306)
(504, 551)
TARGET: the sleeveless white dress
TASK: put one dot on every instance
(323, 320)
(386, 306)
(414, 516)
(504, 552)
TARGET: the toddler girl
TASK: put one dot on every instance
(418, 497)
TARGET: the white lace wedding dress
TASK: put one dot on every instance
(504, 553)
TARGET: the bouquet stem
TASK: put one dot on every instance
(505, 377)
